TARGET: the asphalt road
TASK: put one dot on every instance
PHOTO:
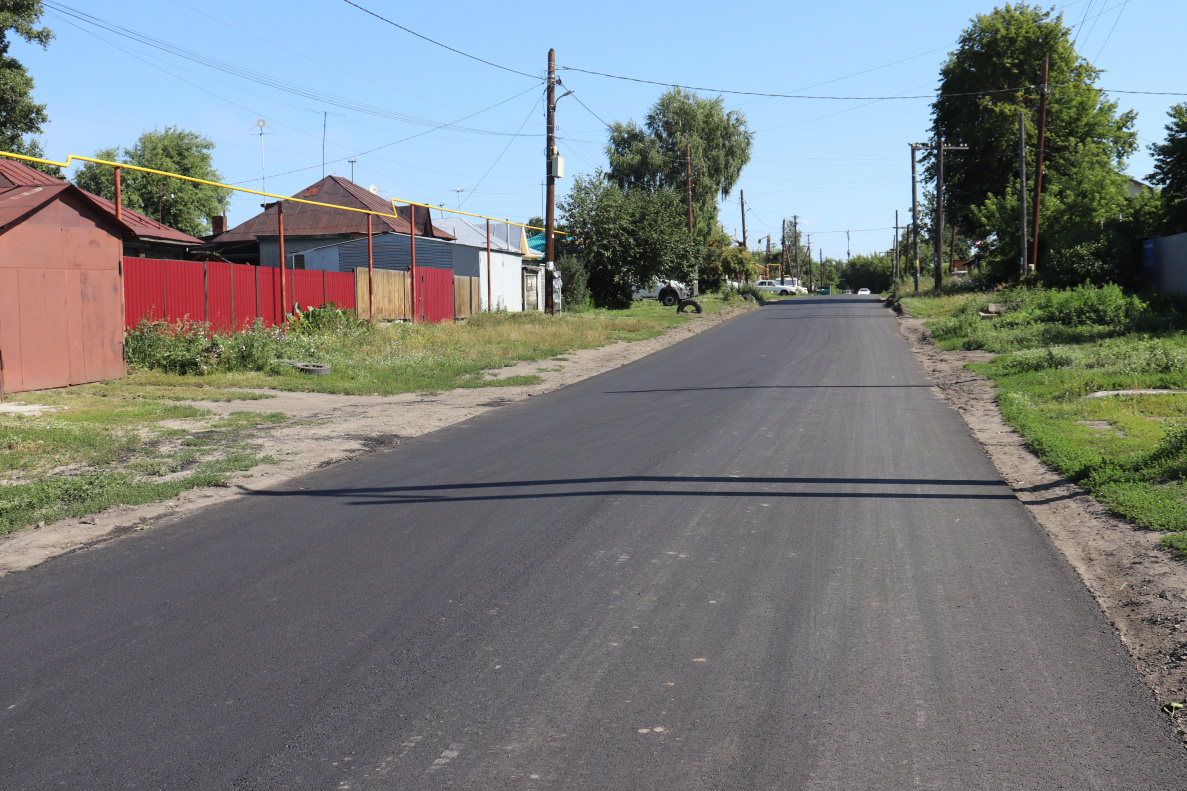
(766, 557)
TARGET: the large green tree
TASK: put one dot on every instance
(183, 205)
(993, 75)
(626, 237)
(1170, 170)
(21, 118)
(654, 156)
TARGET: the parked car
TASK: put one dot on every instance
(847, 291)
(775, 287)
(668, 292)
(863, 291)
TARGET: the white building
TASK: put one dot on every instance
(508, 280)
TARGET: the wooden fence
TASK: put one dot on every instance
(391, 294)
(467, 296)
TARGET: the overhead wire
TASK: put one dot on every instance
(439, 44)
(504, 151)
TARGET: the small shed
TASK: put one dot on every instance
(61, 305)
(508, 281)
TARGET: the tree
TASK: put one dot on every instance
(626, 237)
(1170, 170)
(653, 157)
(21, 118)
(184, 205)
(985, 83)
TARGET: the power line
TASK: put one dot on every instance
(1114, 27)
(786, 95)
(504, 151)
(410, 137)
(439, 44)
(250, 75)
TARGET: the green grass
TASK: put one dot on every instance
(104, 445)
(406, 358)
(1130, 452)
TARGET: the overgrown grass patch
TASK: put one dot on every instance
(400, 358)
(1128, 451)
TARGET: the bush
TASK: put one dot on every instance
(574, 282)
(190, 348)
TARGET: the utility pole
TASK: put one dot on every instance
(1034, 254)
(894, 267)
(783, 254)
(848, 248)
(696, 284)
(767, 260)
(811, 274)
(550, 198)
(1022, 187)
(795, 241)
(938, 238)
(915, 213)
(742, 197)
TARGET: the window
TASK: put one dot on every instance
(298, 260)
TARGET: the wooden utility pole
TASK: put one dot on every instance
(938, 238)
(767, 260)
(795, 242)
(1034, 253)
(894, 268)
(696, 284)
(742, 197)
(951, 249)
(1022, 187)
(811, 274)
(915, 214)
(550, 195)
(783, 254)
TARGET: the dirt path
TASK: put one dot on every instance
(325, 429)
(1141, 588)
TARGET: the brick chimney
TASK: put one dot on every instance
(218, 224)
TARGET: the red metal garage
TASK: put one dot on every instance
(61, 307)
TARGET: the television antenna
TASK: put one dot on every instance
(352, 160)
(259, 130)
(459, 191)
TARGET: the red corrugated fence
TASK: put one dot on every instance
(229, 296)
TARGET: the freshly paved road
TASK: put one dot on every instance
(766, 557)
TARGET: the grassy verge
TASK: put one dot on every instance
(1055, 349)
(400, 358)
(101, 445)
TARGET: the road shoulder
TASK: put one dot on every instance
(1140, 587)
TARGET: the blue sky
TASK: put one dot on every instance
(838, 164)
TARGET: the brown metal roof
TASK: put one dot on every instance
(302, 219)
(14, 174)
(18, 202)
(18, 174)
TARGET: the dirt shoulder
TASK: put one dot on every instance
(324, 429)
(1141, 588)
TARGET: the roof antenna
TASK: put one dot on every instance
(260, 127)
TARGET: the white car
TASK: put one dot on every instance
(775, 287)
(668, 292)
(863, 291)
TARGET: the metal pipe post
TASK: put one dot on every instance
(283, 294)
(412, 289)
(119, 205)
(370, 274)
(489, 304)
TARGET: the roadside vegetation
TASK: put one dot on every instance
(386, 360)
(99, 445)
(1058, 350)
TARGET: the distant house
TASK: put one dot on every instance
(515, 282)
(308, 227)
(1136, 187)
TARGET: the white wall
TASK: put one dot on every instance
(506, 282)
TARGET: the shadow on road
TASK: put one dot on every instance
(679, 486)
